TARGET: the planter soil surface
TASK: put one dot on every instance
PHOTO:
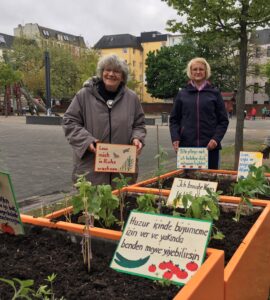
(234, 231)
(41, 252)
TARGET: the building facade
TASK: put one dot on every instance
(134, 51)
(6, 42)
(44, 36)
(258, 89)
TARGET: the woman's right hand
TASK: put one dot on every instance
(176, 145)
(92, 146)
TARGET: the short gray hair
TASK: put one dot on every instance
(115, 63)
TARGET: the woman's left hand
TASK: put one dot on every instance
(138, 145)
(212, 145)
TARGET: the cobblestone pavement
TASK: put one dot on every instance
(39, 158)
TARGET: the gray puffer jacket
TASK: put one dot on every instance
(88, 118)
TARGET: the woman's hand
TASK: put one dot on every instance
(92, 146)
(138, 145)
(212, 145)
(176, 145)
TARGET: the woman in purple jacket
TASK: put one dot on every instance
(199, 117)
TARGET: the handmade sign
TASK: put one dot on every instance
(193, 187)
(10, 221)
(192, 158)
(245, 160)
(114, 158)
(162, 247)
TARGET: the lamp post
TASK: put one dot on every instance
(48, 82)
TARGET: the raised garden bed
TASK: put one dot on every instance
(42, 252)
(252, 253)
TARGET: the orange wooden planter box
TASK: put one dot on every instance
(207, 282)
(247, 274)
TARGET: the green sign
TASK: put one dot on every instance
(10, 221)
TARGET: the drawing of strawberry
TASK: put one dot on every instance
(192, 266)
(152, 268)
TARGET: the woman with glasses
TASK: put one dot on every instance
(104, 110)
(199, 117)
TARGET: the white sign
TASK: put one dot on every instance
(10, 221)
(114, 158)
(192, 158)
(245, 160)
(193, 187)
(162, 247)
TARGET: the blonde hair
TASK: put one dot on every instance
(198, 60)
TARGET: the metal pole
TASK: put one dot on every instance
(48, 82)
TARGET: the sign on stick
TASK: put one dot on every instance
(193, 187)
(114, 158)
(162, 247)
(245, 160)
(10, 221)
(192, 158)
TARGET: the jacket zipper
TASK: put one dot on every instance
(198, 119)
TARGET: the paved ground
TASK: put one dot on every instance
(39, 158)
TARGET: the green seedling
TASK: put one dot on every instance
(256, 183)
(86, 200)
(121, 182)
(23, 289)
(108, 203)
(146, 203)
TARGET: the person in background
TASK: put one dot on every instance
(199, 117)
(104, 110)
(265, 147)
(264, 110)
(253, 113)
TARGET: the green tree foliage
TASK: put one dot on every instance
(227, 18)
(7, 75)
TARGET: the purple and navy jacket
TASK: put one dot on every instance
(198, 116)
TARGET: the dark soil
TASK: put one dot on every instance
(42, 252)
(234, 231)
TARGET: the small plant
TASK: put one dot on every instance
(203, 207)
(86, 200)
(161, 158)
(121, 182)
(256, 183)
(108, 203)
(146, 203)
(23, 289)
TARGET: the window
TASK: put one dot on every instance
(60, 37)
(268, 51)
(257, 52)
(66, 38)
(125, 50)
(2, 39)
(46, 32)
(256, 88)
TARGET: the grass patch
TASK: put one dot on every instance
(227, 154)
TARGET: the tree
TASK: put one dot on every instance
(228, 18)
(165, 72)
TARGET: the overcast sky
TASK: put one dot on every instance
(89, 18)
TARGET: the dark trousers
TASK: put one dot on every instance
(213, 159)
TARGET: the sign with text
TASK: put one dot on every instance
(193, 187)
(115, 158)
(162, 247)
(10, 221)
(192, 158)
(246, 159)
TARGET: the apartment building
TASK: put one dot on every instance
(134, 51)
(258, 86)
(6, 42)
(44, 36)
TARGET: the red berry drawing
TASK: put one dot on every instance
(170, 265)
(182, 274)
(168, 275)
(152, 268)
(162, 265)
(7, 229)
(192, 266)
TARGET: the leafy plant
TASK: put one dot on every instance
(23, 289)
(203, 207)
(146, 203)
(86, 200)
(121, 182)
(108, 203)
(256, 183)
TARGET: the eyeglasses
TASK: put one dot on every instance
(115, 72)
